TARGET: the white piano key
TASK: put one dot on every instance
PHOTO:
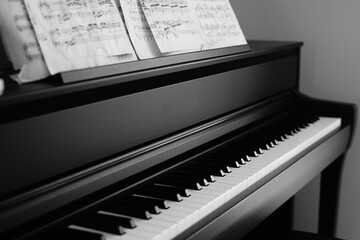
(145, 225)
(175, 224)
(191, 204)
(208, 204)
(223, 190)
(109, 236)
(200, 198)
(194, 210)
(170, 231)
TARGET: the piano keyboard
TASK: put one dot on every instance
(173, 202)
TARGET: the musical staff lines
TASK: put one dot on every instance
(139, 30)
(75, 34)
(173, 25)
(218, 23)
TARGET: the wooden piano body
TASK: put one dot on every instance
(65, 148)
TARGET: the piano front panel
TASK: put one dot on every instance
(69, 139)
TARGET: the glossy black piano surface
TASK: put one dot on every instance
(71, 150)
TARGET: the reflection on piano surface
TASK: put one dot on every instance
(206, 150)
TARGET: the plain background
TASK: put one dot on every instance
(330, 67)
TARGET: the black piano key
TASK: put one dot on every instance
(256, 153)
(177, 181)
(190, 176)
(233, 163)
(223, 167)
(265, 145)
(213, 163)
(161, 203)
(176, 189)
(124, 209)
(145, 206)
(291, 133)
(313, 119)
(217, 159)
(100, 222)
(196, 174)
(281, 128)
(225, 157)
(211, 170)
(306, 123)
(158, 193)
(243, 161)
(230, 162)
(182, 191)
(69, 233)
(268, 146)
(123, 221)
(242, 150)
(246, 159)
(230, 159)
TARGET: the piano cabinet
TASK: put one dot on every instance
(70, 150)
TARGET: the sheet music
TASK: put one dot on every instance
(76, 34)
(218, 23)
(20, 42)
(139, 30)
(173, 25)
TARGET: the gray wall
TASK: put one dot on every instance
(330, 67)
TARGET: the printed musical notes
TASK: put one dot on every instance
(139, 30)
(76, 34)
(20, 42)
(218, 23)
(44, 37)
(173, 25)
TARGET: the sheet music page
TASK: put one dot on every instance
(139, 30)
(173, 24)
(20, 42)
(77, 34)
(218, 23)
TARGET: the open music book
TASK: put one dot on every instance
(53, 36)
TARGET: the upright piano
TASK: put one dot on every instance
(203, 145)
